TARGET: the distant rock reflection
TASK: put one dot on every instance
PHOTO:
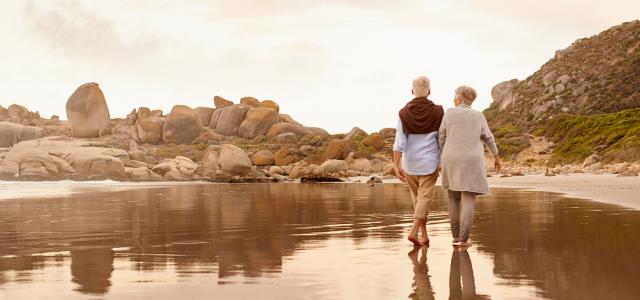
(91, 270)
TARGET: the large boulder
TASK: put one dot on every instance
(182, 125)
(18, 113)
(11, 134)
(220, 102)
(234, 160)
(355, 133)
(502, 93)
(87, 112)
(149, 130)
(299, 130)
(263, 158)
(44, 158)
(338, 149)
(387, 132)
(141, 174)
(284, 156)
(334, 166)
(270, 104)
(178, 169)
(257, 121)
(211, 159)
(230, 119)
(204, 113)
(250, 101)
(374, 141)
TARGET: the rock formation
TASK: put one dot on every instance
(87, 112)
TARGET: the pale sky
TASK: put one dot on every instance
(333, 64)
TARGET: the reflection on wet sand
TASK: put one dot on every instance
(421, 283)
(316, 241)
(462, 283)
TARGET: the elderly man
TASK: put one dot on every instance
(416, 155)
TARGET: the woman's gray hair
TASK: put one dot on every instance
(467, 94)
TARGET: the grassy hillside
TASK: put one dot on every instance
(615, 136)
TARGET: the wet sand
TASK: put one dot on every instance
(310, 241)
(606, 188)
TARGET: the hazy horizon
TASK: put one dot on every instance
(335, 64)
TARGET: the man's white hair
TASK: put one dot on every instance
(421, 87)
(467, 94)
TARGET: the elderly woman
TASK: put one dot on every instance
(461, 134)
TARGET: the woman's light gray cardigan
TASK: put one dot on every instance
(460, 138)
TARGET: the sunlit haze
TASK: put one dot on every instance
(332, 64)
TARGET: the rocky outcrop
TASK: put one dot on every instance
(182, 125)
(229, 119)
(52, 159)
(88, 113)
(11, 134)
(220, 102)
(257, 122)
(502, 93)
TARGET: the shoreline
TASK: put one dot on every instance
(605, 188)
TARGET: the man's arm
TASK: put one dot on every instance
(397, 165)
(398, 148)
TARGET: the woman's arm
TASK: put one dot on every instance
(490, 141)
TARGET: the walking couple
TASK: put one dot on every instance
(428, 141)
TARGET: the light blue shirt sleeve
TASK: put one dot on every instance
(401, 138)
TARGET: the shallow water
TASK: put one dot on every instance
(299, 241)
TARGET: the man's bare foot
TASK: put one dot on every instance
(425, 240)
(414, 240)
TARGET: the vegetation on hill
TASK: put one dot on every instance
(615, 136)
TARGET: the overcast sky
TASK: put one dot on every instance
(333, 63)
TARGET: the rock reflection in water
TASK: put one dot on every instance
(311, 242)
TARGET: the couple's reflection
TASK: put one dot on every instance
(421, 283)
(461, 280)
(462, 284)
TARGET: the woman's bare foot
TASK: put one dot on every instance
(414, 240)
(424, 240)
(463, 244)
